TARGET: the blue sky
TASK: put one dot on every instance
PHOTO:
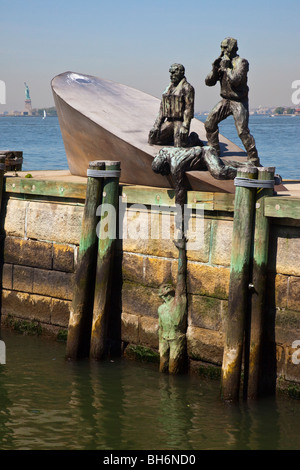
(135, 42)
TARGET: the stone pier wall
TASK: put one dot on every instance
(39, 252)
(40, 248)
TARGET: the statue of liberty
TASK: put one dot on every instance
(27, 96)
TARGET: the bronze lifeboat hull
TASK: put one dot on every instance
(104, 120)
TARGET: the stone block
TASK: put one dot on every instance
(60, 312)
(132, 267)
(23, 278)
(15, 216)
(294, 293)
(63, 258)
(148, 332)
(287, 326)
(211, 281)
(221, 242)
(140, 300)
(53, 284)
(291, 369)
(276, 291)
(156, 271)
(152, 233)
(198, 235)
(149, 233)
(284, 250)
(205, 312)
(26, 306)
(281, 291)
(130, 328)
(7, 276)
(28, 252)
(59, 223)
(205, 345)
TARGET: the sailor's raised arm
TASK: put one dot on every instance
(238, 73)
(214, 75)
(182, 268)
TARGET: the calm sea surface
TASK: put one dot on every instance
(277, 139)
(49, 403)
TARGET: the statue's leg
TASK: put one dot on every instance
(178, 359)
(220, 112)
(217, 168)
(177, 139)
(166, 133)
(164, 352)
(240, 113)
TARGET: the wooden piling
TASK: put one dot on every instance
(2, 171)
(105, 258)
(259, 278)
(78, 341)
(238, 287)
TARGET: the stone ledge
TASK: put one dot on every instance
(211, 281)
(294, 294)
(53, 284)
(55, 222)
(205, 345)
(140, 300)
(148, 271)
(63, 258)
(205, 312)
(36, 307)
(284, 250)
(23, 279)
(28, 252)
(139, 329)
(130, 328)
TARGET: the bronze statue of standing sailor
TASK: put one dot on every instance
(232, 72)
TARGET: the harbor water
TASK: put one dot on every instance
(50, 403)
(277, 139)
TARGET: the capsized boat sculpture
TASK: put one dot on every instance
(104, 120)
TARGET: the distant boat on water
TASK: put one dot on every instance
(44, 114)
(104, 120)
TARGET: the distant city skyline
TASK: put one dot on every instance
(135, 42)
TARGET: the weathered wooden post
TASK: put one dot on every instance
(2, 171)
(259, 277)
(106, 246)
(78, 341)
(239, 282)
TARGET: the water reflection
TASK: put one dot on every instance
(50, 403)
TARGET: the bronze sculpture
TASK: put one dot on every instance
(231, 71)
(172, 314)
(177, 161)
(176, 111)
(172, 319)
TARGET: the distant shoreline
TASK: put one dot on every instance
(27, 115)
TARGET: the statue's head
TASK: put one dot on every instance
(160, 164)
(229, 47)
(176, 73)
(165, 290)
